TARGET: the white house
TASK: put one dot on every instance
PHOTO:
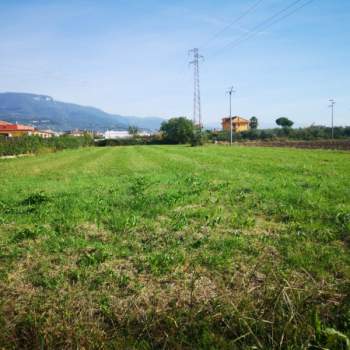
(115, 134)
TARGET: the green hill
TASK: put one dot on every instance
(46, 113)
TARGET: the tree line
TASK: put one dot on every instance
(182, 130)
(309, 133)
(173, 131)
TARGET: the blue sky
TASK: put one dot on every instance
(130, 56)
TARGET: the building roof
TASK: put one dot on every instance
(236, 120)
(15, 127)
(2, 122)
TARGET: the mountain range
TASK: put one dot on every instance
(44, 112)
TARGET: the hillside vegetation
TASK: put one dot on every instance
(46, 113)
(173, 247)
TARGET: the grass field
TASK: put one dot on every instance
(171, 247)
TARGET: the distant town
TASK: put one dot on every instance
(10, 130)
(7, 129)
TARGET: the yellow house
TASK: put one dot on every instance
(238, 124)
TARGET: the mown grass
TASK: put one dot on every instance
(175, 247)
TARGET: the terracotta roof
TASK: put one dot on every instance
(2, 122)
(15, 127)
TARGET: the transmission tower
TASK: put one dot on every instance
(197, 111)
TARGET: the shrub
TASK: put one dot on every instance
(124, 142)
(198, 138)
(307, 134)
(35, 144)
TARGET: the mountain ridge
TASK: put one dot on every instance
(44, 112)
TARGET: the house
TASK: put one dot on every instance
(15, 130)
(76, 133)
(239, 124)
(45, 134)
(118, 134)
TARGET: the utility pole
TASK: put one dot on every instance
(230, 92)
(332, 107)
(197, 109)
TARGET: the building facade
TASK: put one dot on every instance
(238, 124)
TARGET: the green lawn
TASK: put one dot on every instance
(172, 247)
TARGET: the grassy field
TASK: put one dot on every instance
(172, 247)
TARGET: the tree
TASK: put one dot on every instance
(254, 123)
(133, 130)
(198, 138)
(284, 122)
(178, 130)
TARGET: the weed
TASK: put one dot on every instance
(102, 278)
(123, 281)
(35, 199)
(26, 233)
(138, 186)
(92, 257)
(195, 183)
(161, 263)
(40, 276)
(75, 276)
(342, 219)
(179, 221)
(242, 220)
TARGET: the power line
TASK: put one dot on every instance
(260, 26)
(237, 20)
(276, 21)
(275, 18)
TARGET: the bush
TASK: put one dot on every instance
(198, 138)
(36, 144)
(134, 141)
(309, 133)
